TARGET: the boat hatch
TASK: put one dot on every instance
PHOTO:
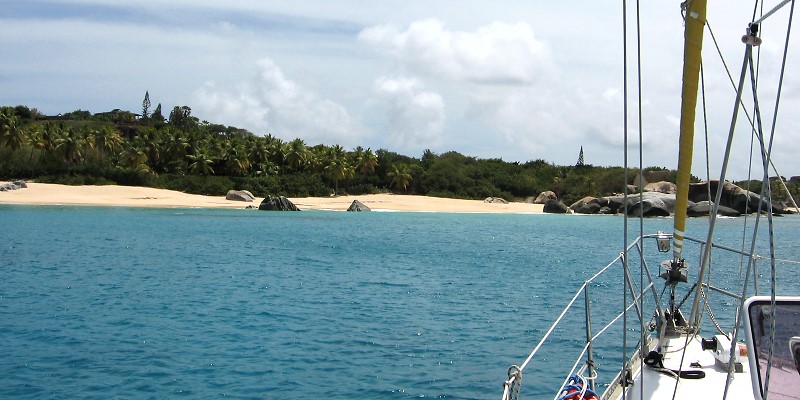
(760, 316)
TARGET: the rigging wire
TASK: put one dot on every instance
(708, 159)
(624, 369)
(767, 159)
(641, 189)
(753, 136)
(766, 191)
(708, 193)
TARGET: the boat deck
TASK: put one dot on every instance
(652, 384)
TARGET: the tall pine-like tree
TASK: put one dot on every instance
(146, 105)
(157, 116)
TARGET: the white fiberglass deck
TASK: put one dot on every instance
(652, 384)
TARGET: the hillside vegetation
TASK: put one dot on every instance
(180, 152)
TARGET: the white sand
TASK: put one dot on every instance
(130, 196)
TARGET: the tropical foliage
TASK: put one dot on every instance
(183, 153)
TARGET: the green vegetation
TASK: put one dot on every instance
(183, 153)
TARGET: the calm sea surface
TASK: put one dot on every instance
(131, 303)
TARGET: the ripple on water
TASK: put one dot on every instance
(141, 304)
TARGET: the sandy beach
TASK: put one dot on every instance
(130, 196)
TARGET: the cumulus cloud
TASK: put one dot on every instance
(415, 116)
(272, 103)
(498, 53)
(553, 123)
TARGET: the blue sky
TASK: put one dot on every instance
(518, 80)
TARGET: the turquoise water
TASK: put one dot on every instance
(134, 303)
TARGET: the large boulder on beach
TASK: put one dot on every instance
(544, 197)
(741, 200)
(587, 208)
(278, 203)
(239, 195)
(588, 205)
(357, 206)
(615, 203)
(651, 204)
(18, 184)
(648, 207)
(554, 206)
(661, 187)
(703, 209)
(668, 199)
(499, 200)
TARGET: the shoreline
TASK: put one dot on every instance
(46, 194)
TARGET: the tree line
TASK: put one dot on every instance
(180, 152)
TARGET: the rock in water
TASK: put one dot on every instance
(278, 203)
(358, 206)
(239, 195)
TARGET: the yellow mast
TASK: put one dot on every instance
(693, 44)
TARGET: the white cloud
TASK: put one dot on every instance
(518, 90)
(416, 117)
(272, 103)
(498, 53)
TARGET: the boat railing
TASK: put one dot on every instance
(584, 364)
(513, 384)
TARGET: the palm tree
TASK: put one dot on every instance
(338, 151)
(242, 162)
(338, 169)
(35, 133)
(276, 148)
(295, 154)
(45, 138)
(107, 140)
(235, 159)
(317, 157)
(11, 133)
(175, 146)
(201, 163)
(258, 153)
(400, 176)
(71, 145)
(150, 140)
(134, 157)
(367, 162)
